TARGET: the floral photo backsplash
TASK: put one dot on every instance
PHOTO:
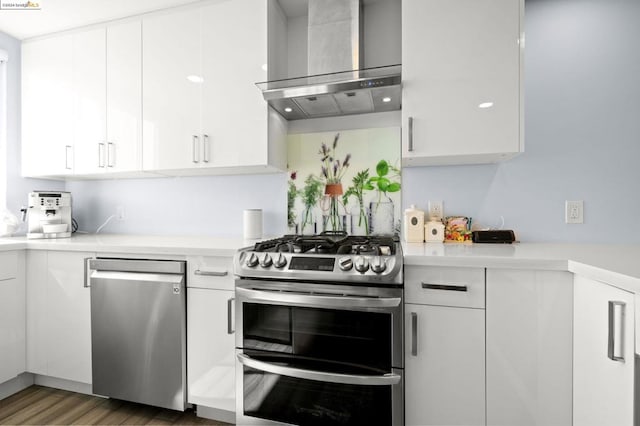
(345, 181)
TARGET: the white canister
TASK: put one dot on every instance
(413, 225)
(252, 221)
(434, 231)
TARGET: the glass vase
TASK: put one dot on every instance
(332, 218)
(381, 217)
(359, 220)
(308, 223)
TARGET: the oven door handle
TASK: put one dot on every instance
(321, 376)
(318, 300)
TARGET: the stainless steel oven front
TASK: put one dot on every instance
(318, 354)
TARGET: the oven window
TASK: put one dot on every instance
(357, 337)
(309, 402)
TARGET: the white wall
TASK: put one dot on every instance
(17, 187)
(582, 132)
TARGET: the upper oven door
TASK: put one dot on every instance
(360, 326)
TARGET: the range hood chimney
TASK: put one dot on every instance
(337, 83)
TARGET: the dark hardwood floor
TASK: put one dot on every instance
(39, 405)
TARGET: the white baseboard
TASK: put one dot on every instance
(216, 414)
(68, 385)
(16, 384)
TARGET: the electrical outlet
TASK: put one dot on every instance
(574, 212)
(120, 213)
(435, 209)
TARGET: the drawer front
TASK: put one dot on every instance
(8, 265)
(444, 286)
(210, 272)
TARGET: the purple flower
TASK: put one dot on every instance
(335, 140)
(294, 174)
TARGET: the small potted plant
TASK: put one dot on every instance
(292, 194)
(332, 171)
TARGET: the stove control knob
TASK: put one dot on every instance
(378, 265)
(280, 262)
(345, 263)
(361, 264)
(252, 261)
(266, 261)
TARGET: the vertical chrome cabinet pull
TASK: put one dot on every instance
(410, 128)
(100, 154)
(111, 154)
(230, 329)
(205, 148)
(194, 149)
(414, 334)
(66, 156)
(86, 271)
(615, 350)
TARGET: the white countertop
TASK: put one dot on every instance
(618, 265)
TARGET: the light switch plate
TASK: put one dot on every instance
(436, 209)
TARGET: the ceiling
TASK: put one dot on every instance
(58, 15)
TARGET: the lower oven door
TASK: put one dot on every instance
(276, 390)
(312, 353)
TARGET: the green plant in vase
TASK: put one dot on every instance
(292, 193)
(310, 194)
(332, 171)
(359, 185)
(387, 181)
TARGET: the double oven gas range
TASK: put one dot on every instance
(319, 337)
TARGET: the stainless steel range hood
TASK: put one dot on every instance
(335, 44)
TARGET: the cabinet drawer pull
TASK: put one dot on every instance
(211, 273)
(410, 128)
(615, 350)
(86, 271)
(414, 334)
(447, 287)
(194, 149)
(230, 328)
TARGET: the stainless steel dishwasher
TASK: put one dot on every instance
(138, 330)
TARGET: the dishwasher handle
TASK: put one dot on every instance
(138, 265)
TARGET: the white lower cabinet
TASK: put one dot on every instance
(529, 349)
(58, 315)
(603, 367)
(444, 346)
(12, 312)
(211, 337)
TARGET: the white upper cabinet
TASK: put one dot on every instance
(202, 110)
(172, 89)
(89, 99)
(47, 107)
(462, 85)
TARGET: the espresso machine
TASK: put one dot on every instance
(48, 214)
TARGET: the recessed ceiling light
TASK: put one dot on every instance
(386, 99)
(485, 105)
(195, 79)
(288, 109)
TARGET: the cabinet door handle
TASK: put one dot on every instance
(86, 272)
(100, 154)
(447, 287)
(67, 149)
(414, 334)
(211, 273)
(194, 149)
(205, 148)
(111, 154)
(230, 329)
(615, 350)
(410, 129)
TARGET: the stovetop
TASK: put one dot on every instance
(327, 257)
